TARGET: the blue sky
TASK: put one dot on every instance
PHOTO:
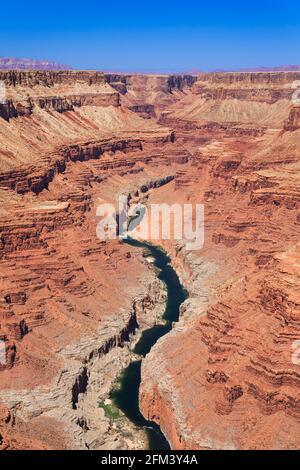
(153, 36)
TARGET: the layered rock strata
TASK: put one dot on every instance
(70, 304)
(228, 374)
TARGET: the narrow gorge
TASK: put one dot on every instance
(126, 395)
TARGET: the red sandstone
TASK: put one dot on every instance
(231, 141)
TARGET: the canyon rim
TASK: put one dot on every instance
(74, 307)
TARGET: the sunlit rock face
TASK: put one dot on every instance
(227, 376)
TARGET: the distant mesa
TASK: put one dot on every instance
(11, 63)
(279, 68)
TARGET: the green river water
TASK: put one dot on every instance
(125, 396)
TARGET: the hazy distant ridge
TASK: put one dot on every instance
(11, 63)
(279, 68)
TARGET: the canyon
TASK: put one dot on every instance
(73, 306)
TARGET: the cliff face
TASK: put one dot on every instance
(71, 303)
(149, 95)
(243, 99)
(250, 78)
(49, 78)
(225, 377)
(65, 308)
(293, 121)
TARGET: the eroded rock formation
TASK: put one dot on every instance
(227, 378)
(70, 304)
